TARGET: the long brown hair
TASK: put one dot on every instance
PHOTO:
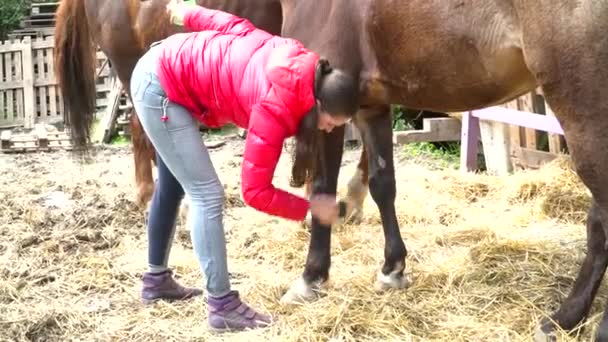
(337, 93)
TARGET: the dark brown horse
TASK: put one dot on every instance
(448, 56)
(459, 55)
(124, 29)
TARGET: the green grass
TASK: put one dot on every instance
(120, 140)
(220, 132)
(446, 155)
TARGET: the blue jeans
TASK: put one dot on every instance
(178, 142)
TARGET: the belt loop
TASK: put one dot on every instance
(164, 118)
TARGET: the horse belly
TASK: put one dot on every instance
(443, 55)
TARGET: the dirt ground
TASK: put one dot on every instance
(488, 256)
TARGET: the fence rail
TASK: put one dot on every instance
(28, 86)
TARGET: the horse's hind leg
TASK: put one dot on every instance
(143, 155)
(357, 189)
(576, 306)
(376, 127)
(572, 69)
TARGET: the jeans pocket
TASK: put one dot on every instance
(178, 118)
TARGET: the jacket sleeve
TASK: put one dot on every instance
(199, 18)
(263, 147)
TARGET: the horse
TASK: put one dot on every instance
(124, 30)
(457, 56)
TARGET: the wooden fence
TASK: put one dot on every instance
(28, 87)
(523, 133)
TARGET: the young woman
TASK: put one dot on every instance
(227, 71)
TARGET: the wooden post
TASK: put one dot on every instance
(496, 147)
(526, 104)
(555, 140)
(469, 142)
(28, 82)
(41, 135)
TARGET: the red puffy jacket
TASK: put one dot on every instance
(231, 72)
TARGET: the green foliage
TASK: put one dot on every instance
(11, 13)
(120, 140)
(448, 154)
(400, 119)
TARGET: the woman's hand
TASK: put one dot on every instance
(177, 10)
(324, 208)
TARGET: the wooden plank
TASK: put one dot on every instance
(60, 104)
(38, 54)
(514, 117)
(5, 139)
(39, 139)
(469, 146)
(18, 92)
(41, 135)
(527, 158)
(496, 147)
(44, 114)
(526, 104)
(52, 88)
(10, 47)
(9, 85)
(433, 129)
(108, 121)
(9, 76)
(43, 43)
(556, 144)
(3, 113)
(28, 82)
(42, 91)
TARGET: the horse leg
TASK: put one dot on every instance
(356, 193)
(577, 304)
(143, 151)
(316, 270)
(602, 331)
(376, 127)
(143, 155)
(578, 97)
(357, 189)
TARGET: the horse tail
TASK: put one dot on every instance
(75, 64)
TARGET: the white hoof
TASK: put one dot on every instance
(394, 280)
(308, 221)
(299, 293)
(541, 336)
(353, 216)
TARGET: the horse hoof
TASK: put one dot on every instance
(144, 195)
(354, 217)
(394, 280)
(544, 333)
(300, 292)
(307, 223)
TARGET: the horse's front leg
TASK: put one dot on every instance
(375, 124)
(316, 270)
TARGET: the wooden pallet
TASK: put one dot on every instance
(41, 138)
(36, 32)
(41, 15)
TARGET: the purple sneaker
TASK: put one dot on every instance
(230, 313)
(162, 286)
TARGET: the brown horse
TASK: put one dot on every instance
(459, 55)
(449, 56)
(124, 29)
